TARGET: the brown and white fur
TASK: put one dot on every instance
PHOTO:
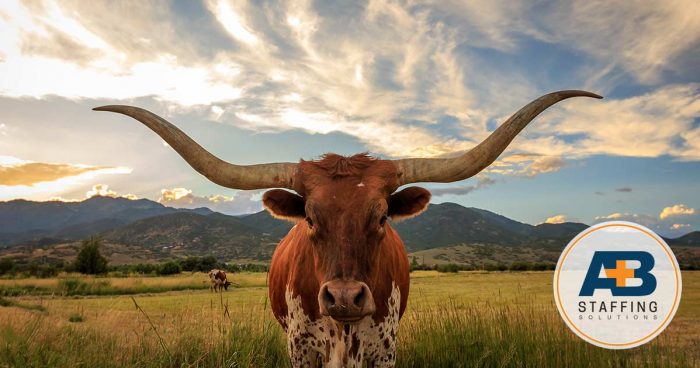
(218, 280)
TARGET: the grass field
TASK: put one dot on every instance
(453, 320)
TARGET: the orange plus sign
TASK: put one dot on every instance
(620, 273)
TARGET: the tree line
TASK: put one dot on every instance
(90, 261)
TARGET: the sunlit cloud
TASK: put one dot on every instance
(232, 22)
(102, 190)
(676, 210)
(643, 219)
(17, 172)
(31, 70)
(30, 173)
(557, 219)
(667, 222)
(242, 202)
(527, 165)
(40, 180)
(404, 80)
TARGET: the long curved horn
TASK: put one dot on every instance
(274, 175)
(447, 170)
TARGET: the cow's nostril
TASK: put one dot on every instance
(359, 298)
(329, 297)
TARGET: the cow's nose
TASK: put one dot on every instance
(346, 301)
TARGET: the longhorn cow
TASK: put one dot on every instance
(339, 280)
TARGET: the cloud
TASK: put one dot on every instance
(100, 190)
(644, 38)
(623, 190)
(528, 165)
(676, 210)
(241, 203)
(482, 182)
(86, 43)
(665, 224)
(557, 219)
(21, 178)
(646, 220)
(103, 190)
(31, 173)
(232, 22)
(412, 81)
(655, 124)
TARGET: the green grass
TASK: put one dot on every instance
(30, 307)
(453, 320)
(81, 285)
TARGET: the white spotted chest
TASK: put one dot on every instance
(338, 345)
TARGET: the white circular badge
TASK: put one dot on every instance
(617, 285)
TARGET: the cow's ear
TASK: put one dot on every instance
(408, 203)
(284, 205)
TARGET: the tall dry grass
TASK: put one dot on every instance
(508, 324)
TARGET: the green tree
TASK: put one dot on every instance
(89, 259)
(7, 265)
(169, 268)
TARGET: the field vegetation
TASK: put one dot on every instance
(464, 319)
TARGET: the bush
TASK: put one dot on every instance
(89, 260)
(169, 268)
(520, 266)
(247, 267)
(72, 287)
(7, 265)
(76, 317)
(450, 267)
(144, 268)
(203, 264)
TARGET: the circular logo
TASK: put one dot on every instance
(617, 285)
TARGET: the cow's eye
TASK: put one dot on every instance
(309, 222)
(382, 220)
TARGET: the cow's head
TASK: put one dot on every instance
(344, 202)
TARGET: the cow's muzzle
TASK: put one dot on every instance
(346, 301)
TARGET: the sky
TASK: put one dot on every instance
(259, 81)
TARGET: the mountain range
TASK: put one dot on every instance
(146, 231)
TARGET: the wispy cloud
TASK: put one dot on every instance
(104, 191)
(679, 226)
(666, 223)
(30, 173)
(405, 79)
(242, 202)
(528, 165)
(24, 179)
(623, 189)
(482, 182)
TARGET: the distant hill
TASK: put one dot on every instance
(692, 239)
(143, 230)
(182, 234)
(264, 222)
(22, 221)
(449, 224)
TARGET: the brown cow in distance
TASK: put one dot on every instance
(339, 280)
